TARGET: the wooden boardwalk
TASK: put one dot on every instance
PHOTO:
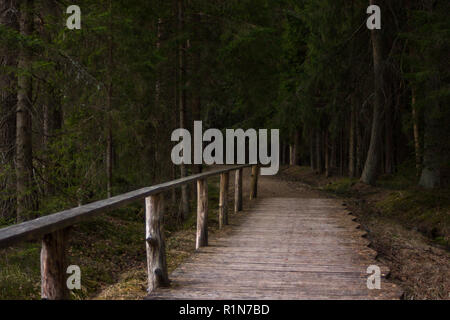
(283, 248)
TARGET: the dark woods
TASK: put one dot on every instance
(86, 114)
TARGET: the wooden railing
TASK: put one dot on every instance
(53, 229)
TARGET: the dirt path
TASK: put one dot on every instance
(277, 187)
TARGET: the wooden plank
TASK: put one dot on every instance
(202, 214)
(48, 224)
(155, 244)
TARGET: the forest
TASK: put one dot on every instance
(87, 113)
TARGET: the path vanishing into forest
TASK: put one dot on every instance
(289, 243)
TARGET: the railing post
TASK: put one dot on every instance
(238, 191)
(202, 213)
(223, 199)
(156, 248)
(53, 266)
(254, 183)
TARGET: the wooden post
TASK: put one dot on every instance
(54, 266)
(202, 213)
(156, 248)
(254, 183)
(223, 199)
(238, 191)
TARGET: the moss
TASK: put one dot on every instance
(341, 187)
(428, 211)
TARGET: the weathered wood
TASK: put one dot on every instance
(36, 228)
(202, 213)
(223, 199)
(283, 248)
(54, 266)
(238, 191)
(155, 244)
(254, 183)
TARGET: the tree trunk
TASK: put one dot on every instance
(327, 153)
(52, 122)
(158, 165)
(415, 117)
(8, 102)
(319, 162)
(333, 155)
(24, 165)
(109, 159)
(431, 172)
(369, 174)
(285, 153)
(184, 210)
(158, 80)
(351, 146)
(197, 83)
(109, 138)
(389, 138)
(292, 154)
(434, 156)
(54, 266)
(341, 152)
(359, 151)
(312, 157)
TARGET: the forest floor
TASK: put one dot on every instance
(408, 227)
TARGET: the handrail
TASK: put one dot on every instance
(51, 227)
(38, 227)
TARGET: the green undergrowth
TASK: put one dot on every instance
(342, 187)
(104, 247)
(19, 272)
(427, 211)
